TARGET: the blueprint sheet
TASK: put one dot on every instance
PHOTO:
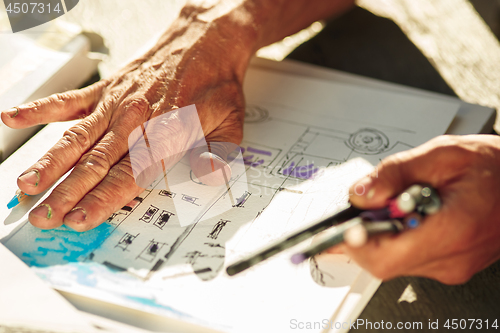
(305, 142)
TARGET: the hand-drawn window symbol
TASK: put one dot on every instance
(151, 250)
(217, 229)
(368, 141)
(110, 219)
(167, 193)
(126, 240)
(190, 199)
(241, 200)
(131, 205)
(163, 219)
(149, 214)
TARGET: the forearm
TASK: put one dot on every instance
(236, 29)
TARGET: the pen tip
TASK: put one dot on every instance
(298, 258)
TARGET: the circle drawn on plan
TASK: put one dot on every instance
(255, 114)
(368, 141)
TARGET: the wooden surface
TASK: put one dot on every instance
(455, 39)
(365, 44)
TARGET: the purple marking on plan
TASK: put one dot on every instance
(259, 151)
(303, 172)
(259, 162)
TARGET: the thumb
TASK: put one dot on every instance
(434, 163)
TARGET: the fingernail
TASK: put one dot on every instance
(12, 112)
(77, 214)
(43, 211)
(31, 178)
(364, 188)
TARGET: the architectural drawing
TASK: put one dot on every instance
(270, 167)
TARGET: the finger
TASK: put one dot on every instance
(92, 167)
(389, 256)
(65, 106)
(114, 191)
(435, 162)
(63, 155)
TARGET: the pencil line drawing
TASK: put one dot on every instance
(126, 241)
(151, 251)
(217, 229)
(149, 214)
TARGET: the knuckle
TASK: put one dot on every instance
(78, 135)
(121, 174)
(66, 195)
(63, 97)
(137, 105)
(96, 162)
(50, 161)
(101, 199)
(37, 105)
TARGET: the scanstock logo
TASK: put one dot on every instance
(31, 13)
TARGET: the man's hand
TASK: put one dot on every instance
(201, 60)
(454, 244)
(186, 67)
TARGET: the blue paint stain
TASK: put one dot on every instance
(40, 239)
(64, 245)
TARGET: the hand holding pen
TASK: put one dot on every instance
(417, 200)
(458, 241)
(404, 212)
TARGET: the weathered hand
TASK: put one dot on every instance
(193, 63)
(454, 244)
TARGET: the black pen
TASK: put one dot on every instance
(417, 198)
(299, 236)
